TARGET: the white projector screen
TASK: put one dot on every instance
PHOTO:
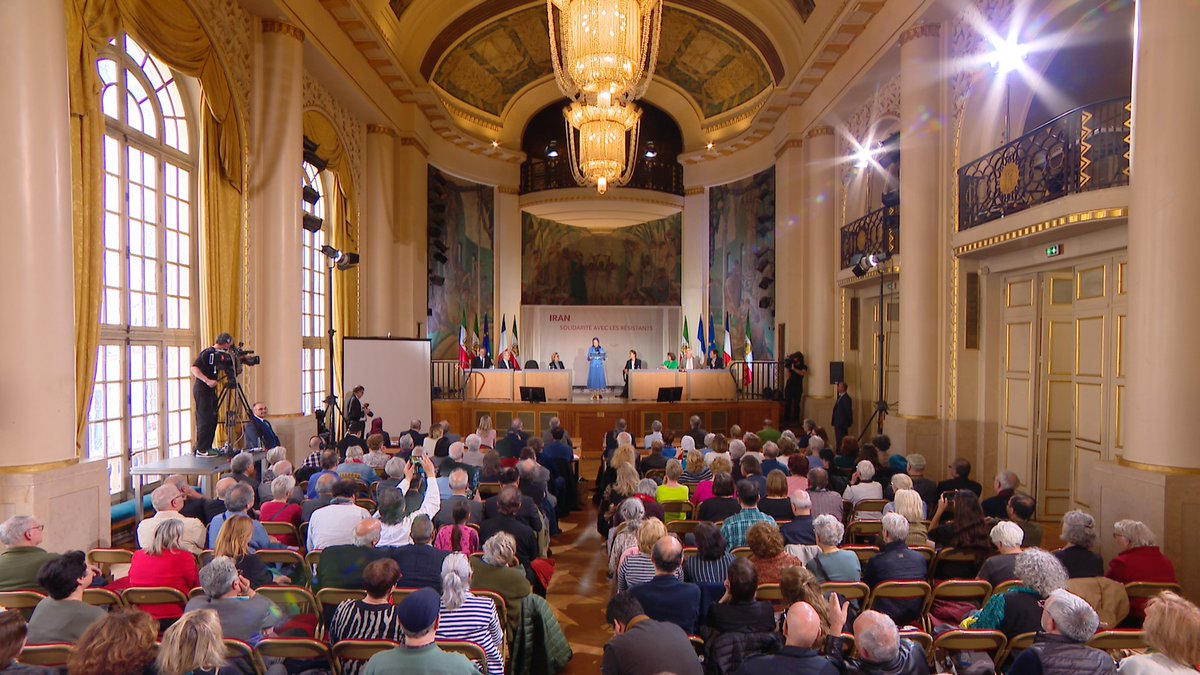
(395, 372)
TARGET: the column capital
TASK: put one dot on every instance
(272, 26)
(508, 190)
(790, 144)
(815, 132)
(381, 129)
(923, 30)
(693, 191)
(414, 142)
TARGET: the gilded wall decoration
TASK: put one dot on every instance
(351, 130)
(885, 103)
(461, 221)
(233, 30)
(565, 265)
(742, 258)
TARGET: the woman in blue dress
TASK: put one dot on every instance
(596, 358)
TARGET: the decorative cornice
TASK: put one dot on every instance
(1069, 219)
(791, 144)
(39, 468)
(381, 129)
(924, 30)
(819, 131)
(414, 142)
(508, 190)
(1157, 468)
(693, 191)
(272, 26)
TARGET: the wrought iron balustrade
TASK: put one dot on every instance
(876, 232)
(447, 380)
(757, 380)
(539, 174)
(1081, 150)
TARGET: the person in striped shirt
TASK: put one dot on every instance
(466, 616)
(373, 617)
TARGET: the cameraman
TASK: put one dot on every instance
(794, 389)
(205, 369)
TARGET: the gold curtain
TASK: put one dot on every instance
(170, 30)
(341, 223)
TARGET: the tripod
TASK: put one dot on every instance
(881, 405)
(237, 410)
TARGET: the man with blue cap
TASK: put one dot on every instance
(419, 655)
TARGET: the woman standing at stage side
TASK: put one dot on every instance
(596, 358)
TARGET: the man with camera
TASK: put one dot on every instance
(212, 361)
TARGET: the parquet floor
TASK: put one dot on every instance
(580, 590)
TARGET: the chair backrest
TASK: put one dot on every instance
(305, 649)
(742, 552)
(287, 597)
(154, 595)
(682, 527)
(361, 650)
(531, 365)
(107, 558)
(21, 601)
(281, 528)
(470, 650)
(1002, 588)
(488, 489)
(399, 594)
(368, 504)
(864, 553)
(962, 589)
(849, 591)
(197, 592)
(690, 552)
(900, 590)
(332, 597)
(656, 475)
(498, 601)
(304, 534)
(1014, 646)
(1149, 589)
(863, 531)
(697, 644)
(769, 592)
(49, 656)
(101, 597)
(958, 640)
(279, 556)
(236, 649)
(1118, 641)
(682, 506)
(920, 637)
(954, 555)
(311, 560)
(926, 551)
(870, 506)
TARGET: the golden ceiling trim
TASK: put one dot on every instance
(924, 30)
(272, 26)
(414, 142)
(547, 197)
(508, 190)
(381, 129)
(1091, 215)
(793, 144)
(693, 191)
(1158, 468)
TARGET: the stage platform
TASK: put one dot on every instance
(587, 421)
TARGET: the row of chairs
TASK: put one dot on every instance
(304, 649)
(851, 512)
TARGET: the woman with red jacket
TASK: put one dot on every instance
(1139, 560)
(164, 563)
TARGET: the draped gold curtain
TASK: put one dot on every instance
(341, 225)
(170, 30)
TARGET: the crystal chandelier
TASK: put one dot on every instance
(604, 52)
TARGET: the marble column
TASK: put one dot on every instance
(790, 247)
(921, 124)
(45, 479)
(380, 274)
(507, 242)
(694, 262)
(821, 252)
(276, 191)
(411, 268)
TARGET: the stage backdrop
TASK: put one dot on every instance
(460, 223)
(569, 331)
(741, 256)
(564, 265)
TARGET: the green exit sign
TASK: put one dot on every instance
(1054, 250)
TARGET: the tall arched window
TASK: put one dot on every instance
(141, 399)
(312, 312)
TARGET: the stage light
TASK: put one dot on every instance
(437, 280)
(342, 260)
(1007, 55)
(865, 155)
(764, 303)
(311, 195)
(440, 258)
(864, 263)
(651, 151)
(311, 223)
(710, 145)
(310, 155)
(766, 283)
(552, 150)
(437, 243)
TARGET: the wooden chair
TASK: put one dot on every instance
(847, 510)
(690, 552)
(279, 556)
(304, 535)
(769, 593)
(361, 650)
(244, 653)
(1117, 641)
(1147, 589)
(1002, 588)
(470, 650)
(22, 602)
(920, 637)
(682, 527)
(295, 601)
(107, 558)
(742, 552)
(962, 590)
(864, 553)
(311, 560)
(989, 641)
(849, 591)
(278, 529)
(488, 490)
(154, 595)
(49, 656)
(656, 475)
(399, 594)
(953, 555)
(901, 590)
(869, 506)
(368, 504)
(330, 598)
(102, 597)
(305, 649)
(197, 592)
(680, 507)
(864, 532)
(926, 551)
(1016, 645)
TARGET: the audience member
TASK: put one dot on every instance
(902, 481)
(896, 562)
(509, 447)
(454, 462)
(909, 504)
(767, 552)
(1006, 537)
(798, 467)
(467, 616)
(824, 501)
(738, 610)
(395, 474)
(419, 653)
(800, 529)
(710, 564)
(165, 564)
(968, 532)
(508, 504)
(372, 617)
(1006, 485)
(234, 543)
(244, 614)
(316, 445)
(1068, 622)
(655, 460)
(195, 645)
(722, 504)
(281, 509)
(394, 510)
(121, 643)
(1021, 510)
(376, 458)
(457, 536)
(355, 465)
(64, 616)
(1139, 559)
(1172, 630)
(666, 597)
(333, 525)
(195, 505)
(20, 562)
(238, 500)
(672, 490)
(167, 500)
(1020, 609)
(1079, 532)
(863, 484)
(720, 449)
(342, 566)
(324, 496)
(242, 470)
(737, 525)
(751, 470)
(624, 537)
(797, 584)
(776, 503)
(499, 571)
(960, 470)
(801, 626)
(643, 646)
(636, 566)
(353, 439)
(329, 464)
(12, 641)
(695, 430)
(880, 649)
(420, 563)
(833, 563)
(924, 487)
(646, 491)
(485, 432)
(528, 512)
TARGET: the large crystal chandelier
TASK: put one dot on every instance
(606, 60)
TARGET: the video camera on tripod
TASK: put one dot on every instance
(232, 362)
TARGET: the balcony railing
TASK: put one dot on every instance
(539, 174)
(1081, 150)
(758, 380)
(876, 232)
(448, 381)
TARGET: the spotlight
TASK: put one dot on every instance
(765, 303)
(865, 156)
(766, 283)
(710, 145)
(437, 243)
(312, 223)
(437, 279)
(311, 195)
(763, 263)
(651, 151)
(440, 258)
(342, 260)
(864, 263)
(1007, 55)
(552, 150)
(310, 155)
(495, 144)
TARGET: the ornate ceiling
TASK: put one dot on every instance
(718, 69)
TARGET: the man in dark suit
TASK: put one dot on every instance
(666, 598)
(895, 562)
(324, 490)
(414, 430)
(510, 446)
(420, 563)
(643, 645)
(354, 407)
(961, 480)
(527, 512)
(843, 415)
(259, 432)
(481, 360)
(508, 503)
(353, 438)
(634, 363)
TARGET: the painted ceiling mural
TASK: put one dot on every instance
(714, 65)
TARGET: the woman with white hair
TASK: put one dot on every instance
(281, 509)
(864, 486)
(632, 512)
(1173, 630)
(833, 563)
(1079, 531)
(1139, 560)
(1007, 537)
(908, 503)
(498, 571)
(1020, 609)
(466, 616)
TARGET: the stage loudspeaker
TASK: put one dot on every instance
(837, 372)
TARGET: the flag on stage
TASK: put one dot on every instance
(464, 351)
(749, 350)
(487, 342)
(700, 337)
(475, 332)
(503, 337)
(687, 341)
(712, 333)
(728, 342)
(515, 349)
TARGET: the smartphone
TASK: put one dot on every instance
(948, 495)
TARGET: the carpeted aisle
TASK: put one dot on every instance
(579, 591)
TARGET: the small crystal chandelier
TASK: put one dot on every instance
(607, 57)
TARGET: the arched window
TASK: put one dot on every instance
(141, 399)
(312, 312)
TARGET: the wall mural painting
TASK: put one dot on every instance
(741, 257)
(461, 217)
(565, 265)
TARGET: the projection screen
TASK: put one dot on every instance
(395, 372)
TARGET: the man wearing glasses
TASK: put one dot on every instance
(19, 564)
(167, 501)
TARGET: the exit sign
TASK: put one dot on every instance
(1054, 250)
